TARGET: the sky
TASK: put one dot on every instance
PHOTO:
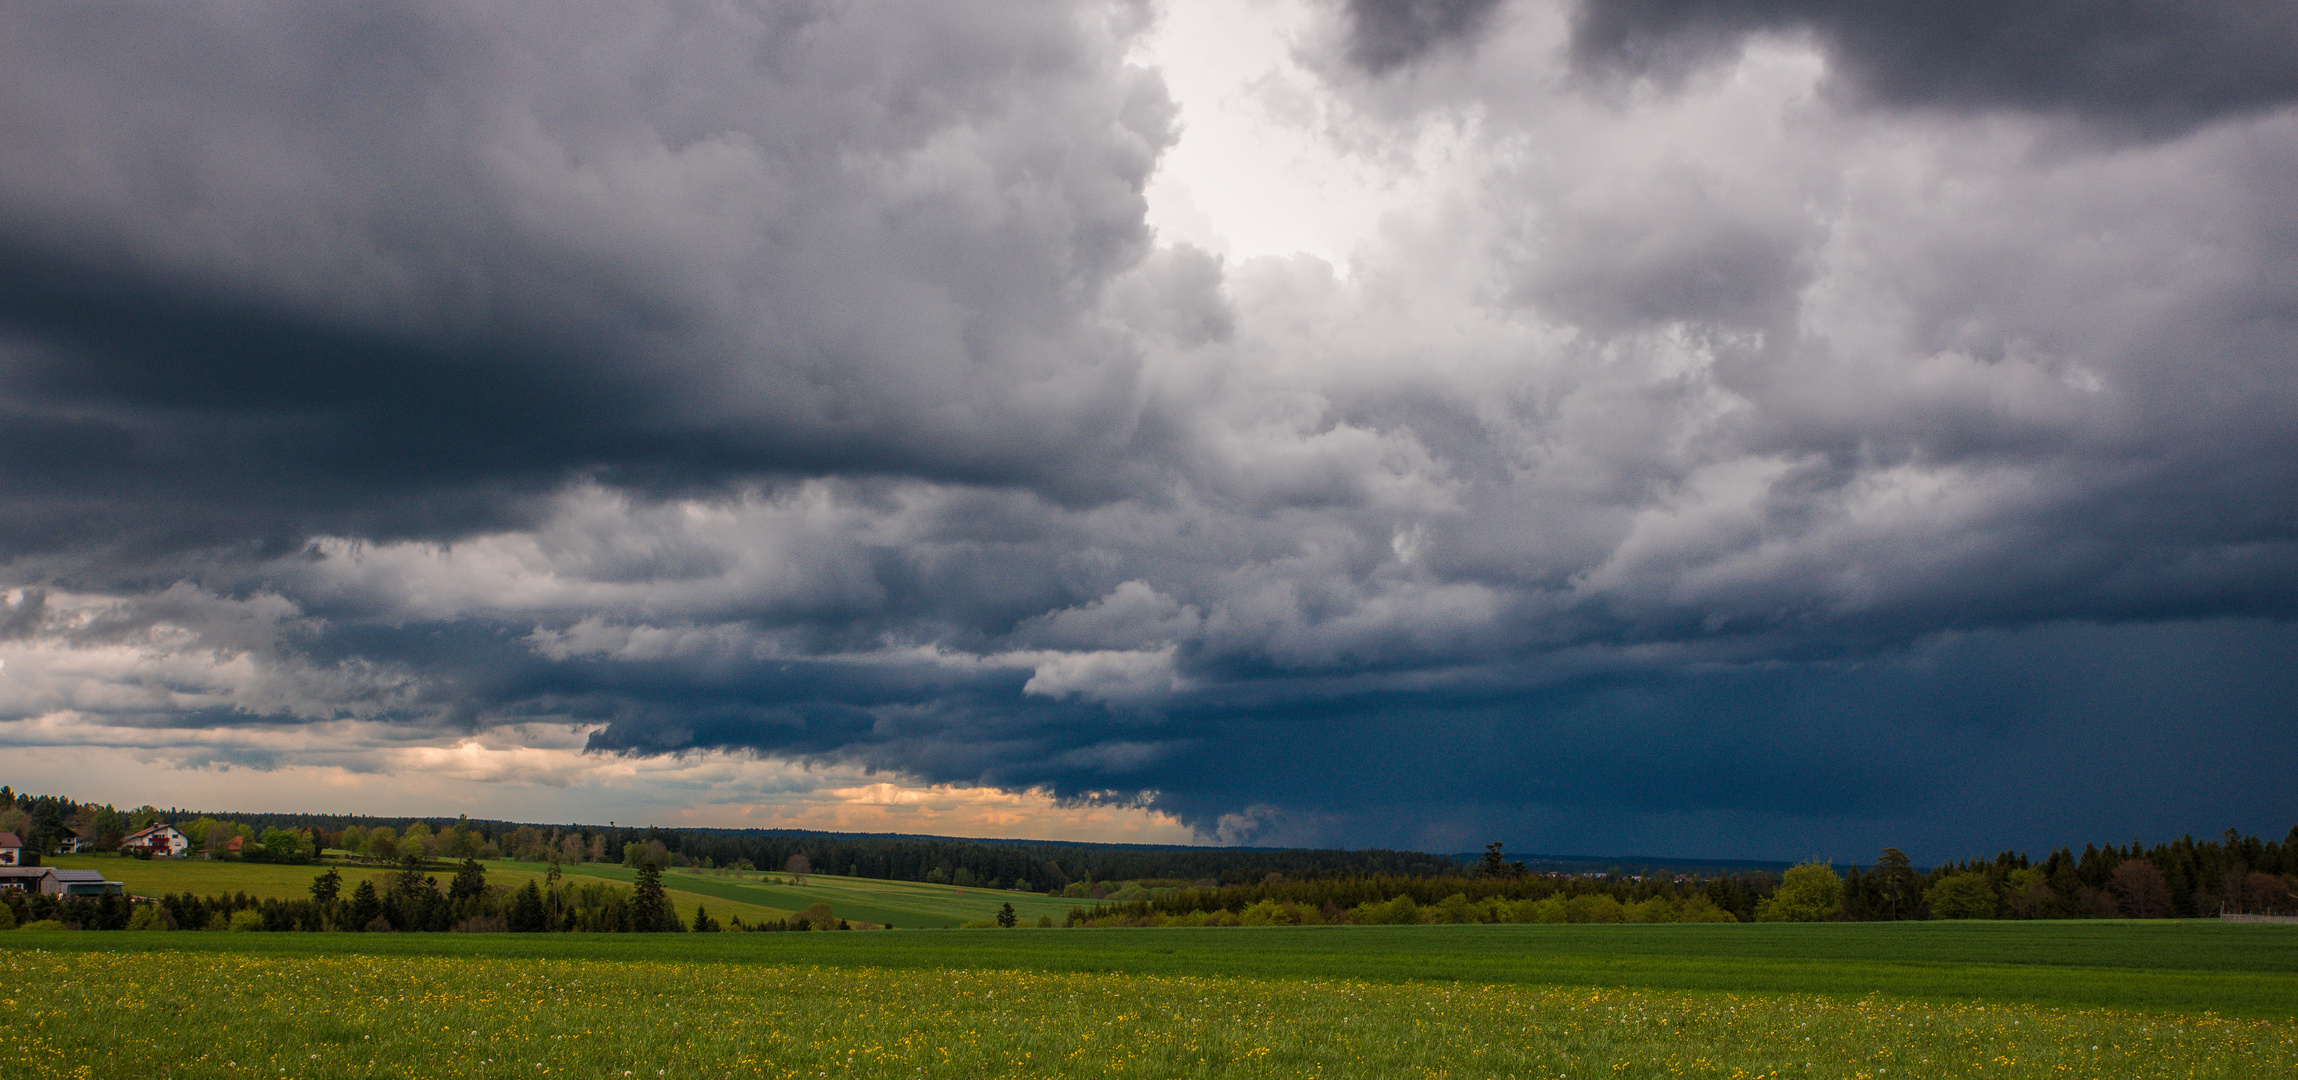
(1723, 428)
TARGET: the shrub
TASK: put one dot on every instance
(1656, 909)
(1455, 908)
(1548, 909)
(1399, 911)
(1594, 908)
(1261, 914)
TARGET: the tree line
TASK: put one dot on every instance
(1035, 866)
(2185, 878)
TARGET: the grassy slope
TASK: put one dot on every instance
(2193, 967)
(906, 904)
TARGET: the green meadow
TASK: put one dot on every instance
(752, 896)
(908, 904)
(1872, 1001)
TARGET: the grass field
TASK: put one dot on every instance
(1338, 1002)
(896, 903)
(2238, 970)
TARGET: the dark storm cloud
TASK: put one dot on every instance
(803, 380)
(2153, 64)
(2111, 730)
(1389, 34)
(389, 270)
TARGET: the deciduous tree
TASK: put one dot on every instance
(2139, 889)
(1807, 893)
(1961, 896)
(1898, 882)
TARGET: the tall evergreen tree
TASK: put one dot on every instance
(365, 906)
(649, 905)
(470, 882)
(527, 914)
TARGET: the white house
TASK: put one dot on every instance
(164, 841)
(11, 849)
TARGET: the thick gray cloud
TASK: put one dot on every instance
(1711, 470)
(1387, 34)
(394, 269)
(2148, 64)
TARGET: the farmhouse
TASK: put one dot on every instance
(11, 849)
(29, 879)
(162, 841)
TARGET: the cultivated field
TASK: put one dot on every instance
(1875, 1001)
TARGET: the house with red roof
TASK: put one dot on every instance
(161, 841)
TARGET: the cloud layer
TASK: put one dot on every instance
(1749, 420)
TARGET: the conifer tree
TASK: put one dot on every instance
(527, 913)
(470, 882)
(365, 906)
(649, 905)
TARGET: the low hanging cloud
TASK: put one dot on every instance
(1714, 467)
